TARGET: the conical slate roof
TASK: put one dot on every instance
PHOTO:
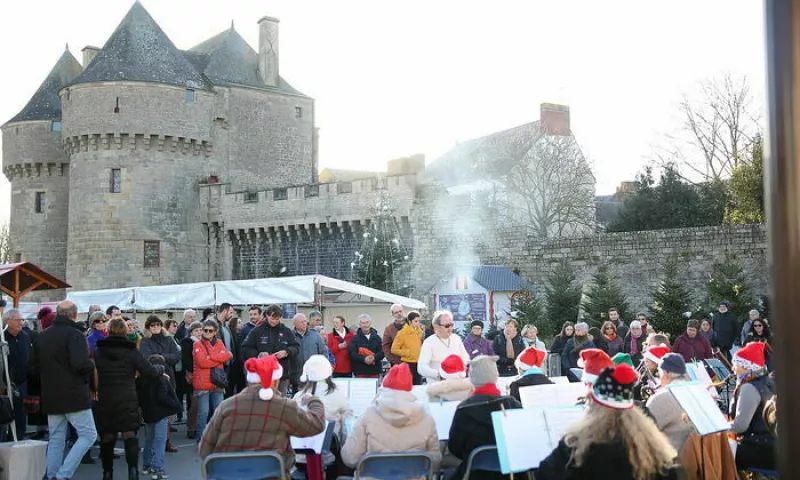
(227, 59)
(45, 104)
(140, 51)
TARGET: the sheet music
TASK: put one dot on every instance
(362, 393)
(443, 413)
(558, 395)
(343, 385)
(701, 409)
(526, 437)
(503, 384)
(314, 443)
(698, 373)
(719, 368)
(559, 380)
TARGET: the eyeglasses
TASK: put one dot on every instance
(209, 330)
(449, 325)
(758, 325)
(100, 321)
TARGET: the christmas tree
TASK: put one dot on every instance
(671, 300)
(383, 262)
(562, 295)
(604, 295)
(726, 282)
(530, 310)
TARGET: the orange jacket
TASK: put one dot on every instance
(207, 356)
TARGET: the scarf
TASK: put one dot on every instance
(488, 389)
(510, 348)
(611, 337)
(133, 337)
(580, 342)
(634, 345)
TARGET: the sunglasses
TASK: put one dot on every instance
(100, 321)
(449, 325)
(209, 330)
(757, 325)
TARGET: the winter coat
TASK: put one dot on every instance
(373, 344)
(118, 361)
(389, 333)
(61, 359)
(606, 461)
(187, 354)
(92, 338)
(245, 423)
(205, 356)
(408, 343)
(712, 338)
(626, 347)
(157, 398)
(311, 343)
(449, 390)
(535, 343)
(337, 405)
(268, 339)
(559, 343)
(396, 422)
(19, 352)
(181, 332)
(245, 331)
(505, 365)
(477, 346)
(162, 345)
(342, 355)
(615, 346)
(623, 329)
(532, 376)
(472, 428)
(569, 358)
(668, 415)
(696, 348)
(727, 328)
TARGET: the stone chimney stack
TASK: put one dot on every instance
(89, 52)
(268, 50)
(555, 118)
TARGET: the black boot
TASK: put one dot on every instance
(132, 457)
(107, 458)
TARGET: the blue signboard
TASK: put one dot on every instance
(472, 304)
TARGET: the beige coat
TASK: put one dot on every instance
(668, 414)
(395, 422)
(450, 390)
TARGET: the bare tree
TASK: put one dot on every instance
(5, 244)
(718, 125)
(549, 185)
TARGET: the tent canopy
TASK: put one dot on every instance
(307, 289)
(19, 279)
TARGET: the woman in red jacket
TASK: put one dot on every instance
(208, 353)
(691, 345)
(338, 341)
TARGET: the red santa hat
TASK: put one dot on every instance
(655, 354)
(530, 357)
(593, 361)
(263, 370)
(751, 356)
(452, 367)
(399, 378)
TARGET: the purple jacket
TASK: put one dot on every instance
(477, 346)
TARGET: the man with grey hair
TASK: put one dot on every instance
(572, 350)
(390, 332)
(310, 344)
(365, 349)
(19, 350)
(61, 359)
(439, 346)
(189, 317)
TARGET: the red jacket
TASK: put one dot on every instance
(697, 348)
(341, 355)
(207, 356)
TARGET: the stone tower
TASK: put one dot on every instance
(38, 169)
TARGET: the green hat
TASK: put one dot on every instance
(622, 358)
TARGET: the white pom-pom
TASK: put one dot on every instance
(304, 378)
(265, 394)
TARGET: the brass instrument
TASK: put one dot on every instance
(648, 383)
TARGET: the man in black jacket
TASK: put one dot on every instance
(61, 358)
(725, 324)
(273, 338)
(366, 350)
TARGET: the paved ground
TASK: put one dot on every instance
(183, 465)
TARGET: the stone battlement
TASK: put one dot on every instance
(108, 141)
(39, 169)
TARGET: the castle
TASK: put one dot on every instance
(151, 165)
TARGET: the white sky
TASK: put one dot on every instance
(395, 78)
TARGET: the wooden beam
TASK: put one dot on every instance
(33, 287)
(41, 278)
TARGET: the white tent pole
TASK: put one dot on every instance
(9, 391)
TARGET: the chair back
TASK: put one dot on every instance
(483, 458)
(244, 466)
(395, 466)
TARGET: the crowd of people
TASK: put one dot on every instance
(104, 381)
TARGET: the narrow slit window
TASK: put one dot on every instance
(55, 126)
(41, 201)
(116, 107)
(189, 95)
(17, 258)
(298, 112)
(115, 181)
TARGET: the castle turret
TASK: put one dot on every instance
(38, 169)
(137, 126)
(268, 50)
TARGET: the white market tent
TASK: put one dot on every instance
(318, 290)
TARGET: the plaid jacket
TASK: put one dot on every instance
(245, 423)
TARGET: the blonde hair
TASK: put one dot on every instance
(649, 451)
(528, 327)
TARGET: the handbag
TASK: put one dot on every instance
(218, 376)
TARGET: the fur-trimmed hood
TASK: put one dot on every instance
(450, 390)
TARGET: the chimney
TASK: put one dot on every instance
(555, 118)
(268, 50)
(89, 52)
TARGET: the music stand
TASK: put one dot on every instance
(722, 372)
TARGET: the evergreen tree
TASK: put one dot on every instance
(671, 300)
(562, 295)
(746, 204)
(383, 260)
(604, 295)
(727, 283)
(530, 309)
